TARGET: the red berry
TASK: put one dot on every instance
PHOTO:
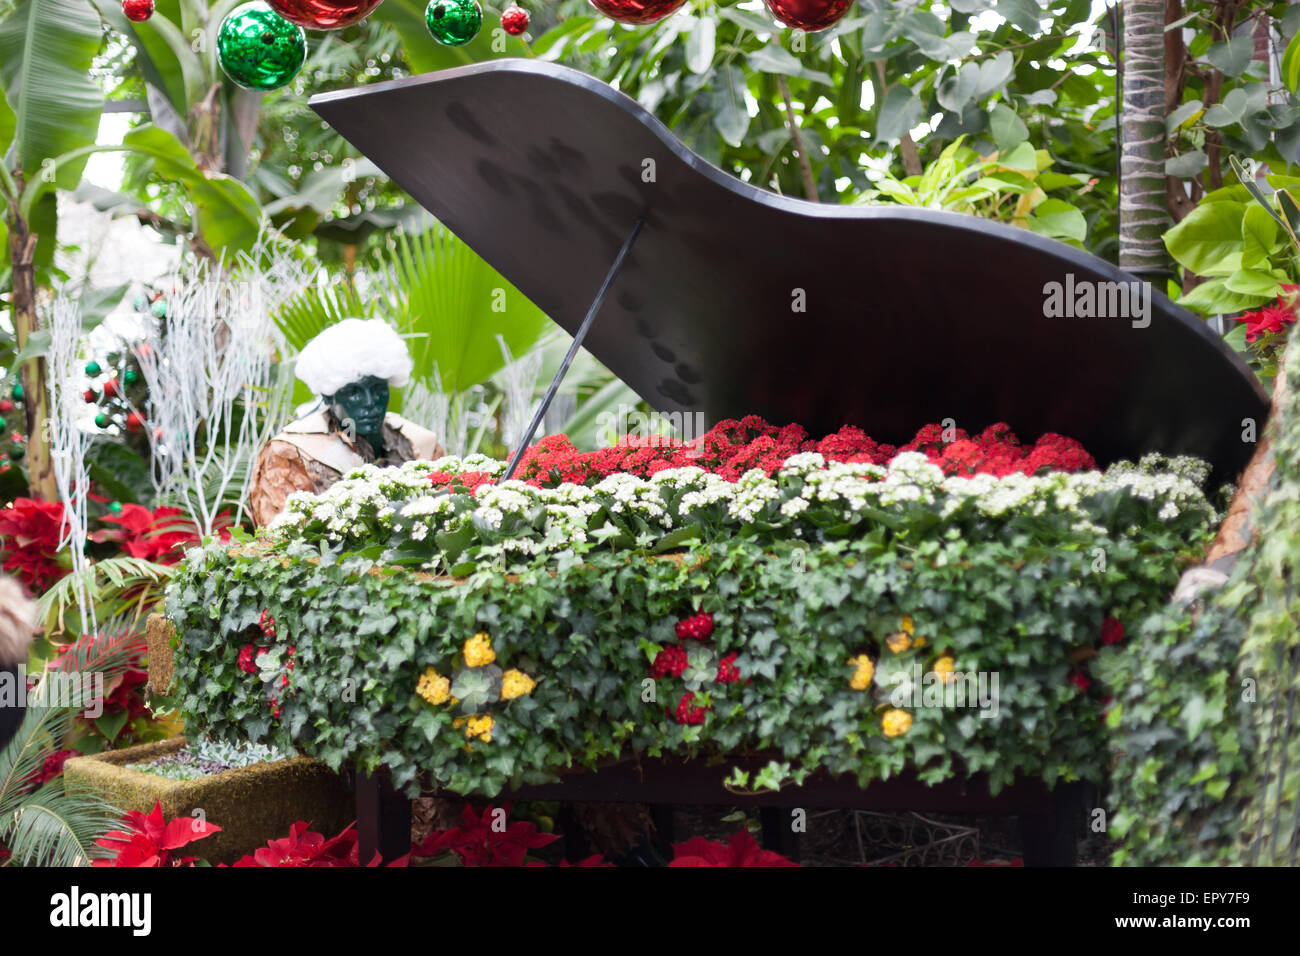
(137, 11)
(514, 20)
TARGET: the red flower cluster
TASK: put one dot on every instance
(688, 712)
(248, 658)
(698, 627)
(479, 843)
(669, 662)
(51, 768)
(1081, 681)
(471, 480)
(305, 848)
(733, 447)
(727, 671)
(266, 623)
(1271, 318)
(29, 541)
(148, 841)
(1112, 632)
(741, 849)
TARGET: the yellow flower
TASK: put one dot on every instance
(920, 642)
(864, 670)
(896, 722)
(515, 683)
(898, 642)
(480, 727)
(944, 668)
(907, 624)
(459, 722)
(478, 651)
(433, 687)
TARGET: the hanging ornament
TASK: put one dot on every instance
(134, 422)
(159, 309)
(18, 392)
(110, 388)
(130, 376)
(637, 11)
(93, 369)
(324, 14)
(115, 507)
(808, 15)
(259, 50)
(514, 20)
(17, 453)
(101, 420)
(3, 424)
(453, 22)
(16, 438)
(6, 406)
(89, 395)
(140, 303)
(137, 11)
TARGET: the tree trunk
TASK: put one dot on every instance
(36, 396)
(1143, 218)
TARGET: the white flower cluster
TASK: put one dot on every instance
(515, 520)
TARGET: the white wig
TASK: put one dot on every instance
(349, 351)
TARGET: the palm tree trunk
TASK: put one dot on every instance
(1143, 216)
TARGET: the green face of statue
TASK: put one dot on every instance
(364, 403)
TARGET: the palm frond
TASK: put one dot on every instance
(101, 582)
(51, 827)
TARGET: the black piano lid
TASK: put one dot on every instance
(911, 316)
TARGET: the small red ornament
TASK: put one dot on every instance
(137, 11)
(6, 406)
(639, 12)
(90, 396)
(324, 14)
(110, 388)
(808, 15)
(134, 422)
(514, 20)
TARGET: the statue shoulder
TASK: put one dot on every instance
(423, 442)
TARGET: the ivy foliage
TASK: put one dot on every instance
(1207, 772)
(1024, 604)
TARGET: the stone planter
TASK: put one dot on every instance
(251, 804)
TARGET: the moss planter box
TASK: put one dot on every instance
(251, 804)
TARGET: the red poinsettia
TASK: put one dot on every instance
(303, 847)
(740, 850)
(30, 531)
(160, 535)
(148, 841)
(481, 841)
(1271, 318)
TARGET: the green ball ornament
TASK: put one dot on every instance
(140, 303)
(101, 420)
(17, 452)
(18, 392)
(3, 424)
(115, 507)
(130, 376)
(259, 49)
(93, 369)
(159, 309)
(453, 22)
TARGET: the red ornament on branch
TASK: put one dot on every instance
(111, 389)
(808, 15)
(324, 14)
(137, 11)
(90, 396)
(640, 12)
(134, 422)
(514, 20)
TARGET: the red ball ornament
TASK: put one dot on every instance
(137, 11)
(639, 12)
(110, 388)
(90, 396)
(6, 406)
(514, 20)
(134, 422)
(808, 15)
(324, 14)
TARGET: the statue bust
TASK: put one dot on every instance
(351, 365)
